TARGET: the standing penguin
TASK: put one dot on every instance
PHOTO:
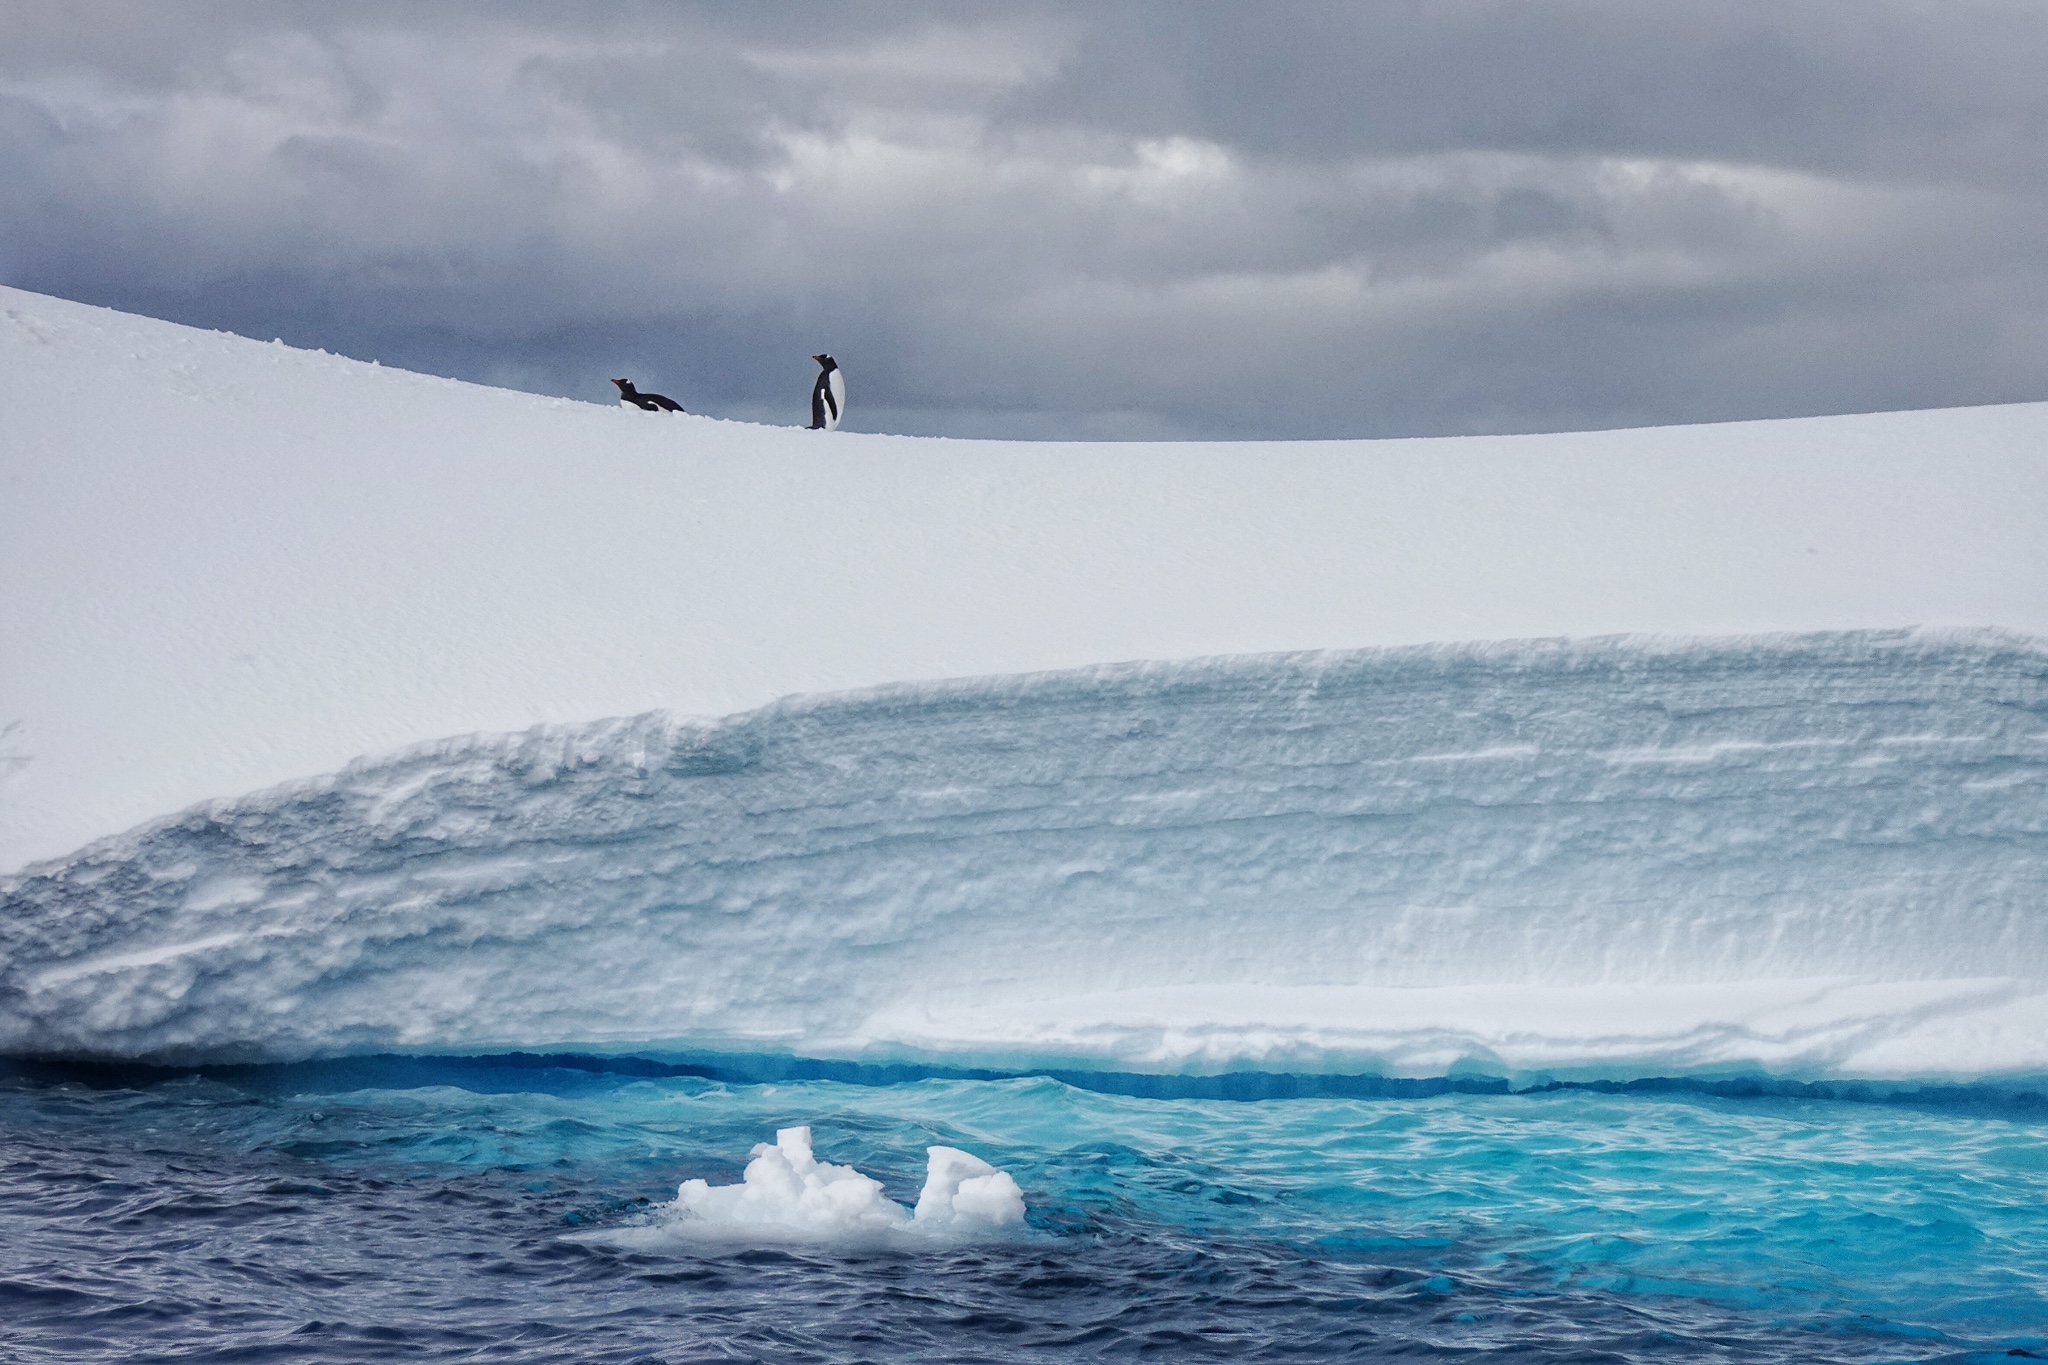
(828, 395)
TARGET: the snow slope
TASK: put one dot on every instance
(423, 653)
(227, 564)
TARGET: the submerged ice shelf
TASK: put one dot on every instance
(1812, 856)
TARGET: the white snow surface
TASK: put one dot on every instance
(345, 709)
(787, 1195)
(226, 564)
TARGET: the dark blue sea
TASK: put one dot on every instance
(459, 1210)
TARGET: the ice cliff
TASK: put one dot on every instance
(1820, 855)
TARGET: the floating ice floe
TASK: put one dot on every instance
(788, 1196)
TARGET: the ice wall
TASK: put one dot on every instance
(1820, 855)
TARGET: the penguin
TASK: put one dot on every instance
(828, 395)
(646, 402)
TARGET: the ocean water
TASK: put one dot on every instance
(469, 1210)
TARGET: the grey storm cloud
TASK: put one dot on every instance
(1100, 220)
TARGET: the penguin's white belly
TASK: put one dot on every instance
(835, 384)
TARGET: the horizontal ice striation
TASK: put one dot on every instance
(1818, 856)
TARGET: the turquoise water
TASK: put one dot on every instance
(352, 1213)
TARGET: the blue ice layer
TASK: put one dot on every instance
(575, 1073)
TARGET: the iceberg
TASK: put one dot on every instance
(347, 710)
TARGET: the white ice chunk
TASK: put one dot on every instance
(787, 1192)
(788, 1195)
(962, 1189)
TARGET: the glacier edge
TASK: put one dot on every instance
(1809, 856)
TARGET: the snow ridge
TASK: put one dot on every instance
(1818, 856)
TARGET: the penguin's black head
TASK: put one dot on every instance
(827, 361)
(625, 385)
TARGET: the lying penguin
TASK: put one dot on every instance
(828, 395)
(646, 402)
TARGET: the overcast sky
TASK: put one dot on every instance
(1089, 219)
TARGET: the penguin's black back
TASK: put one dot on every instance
(824, 403)
(646, 402)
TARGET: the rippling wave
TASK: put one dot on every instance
(357, 1213)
